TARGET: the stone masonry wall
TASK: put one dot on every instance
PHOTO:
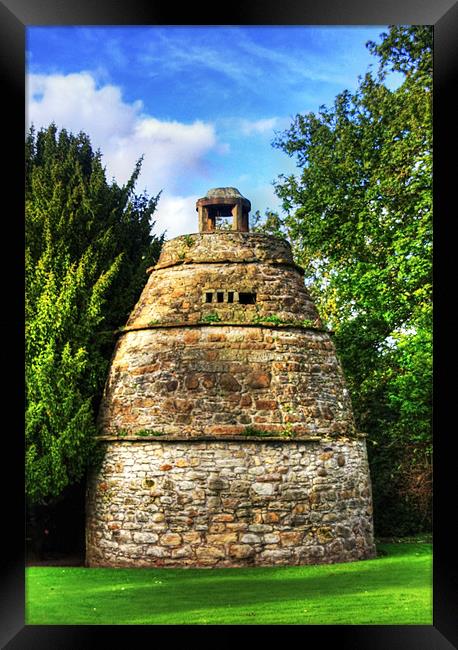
(190, 266)
(230, 503)
(218, 380)
(177, 294)
(225, 247)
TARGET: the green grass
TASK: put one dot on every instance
(394, 589)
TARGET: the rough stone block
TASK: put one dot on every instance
(210, 553)
(170, 539)
(241, 551)
(221, 538)
(250, 538)
(291, 538)
(263, 489)
(145, 538)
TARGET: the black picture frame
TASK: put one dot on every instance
(15, 16)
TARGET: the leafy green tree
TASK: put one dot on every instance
(359, 216)
(269, 224)
(88, 243)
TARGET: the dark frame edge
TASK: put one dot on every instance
(445, 572)
(12, 67)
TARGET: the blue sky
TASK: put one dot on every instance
(202, 104)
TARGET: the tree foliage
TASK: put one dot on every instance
(88, 243)
(269, 224)
(359, 216)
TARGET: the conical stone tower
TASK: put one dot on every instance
(228, 429)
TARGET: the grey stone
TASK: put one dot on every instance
(263, 489)
(249, 538)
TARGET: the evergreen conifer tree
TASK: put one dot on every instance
(88, 244)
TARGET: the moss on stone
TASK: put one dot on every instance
(211, 318)
(148, 432)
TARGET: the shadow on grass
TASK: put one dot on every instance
(137, 596)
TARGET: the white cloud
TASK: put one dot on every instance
(173, 151)
(176, 215)
(258, 126)
(74, 102)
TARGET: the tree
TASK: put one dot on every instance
(269, 224)
(88, 243)
(359, 216)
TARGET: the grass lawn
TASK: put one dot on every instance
(395, 588)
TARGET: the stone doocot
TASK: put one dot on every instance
(227, 425)
(230, 503)
(221, 379)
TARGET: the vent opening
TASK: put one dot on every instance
(230, 296)
(247, 298)
(219, 296)
(208, 297)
